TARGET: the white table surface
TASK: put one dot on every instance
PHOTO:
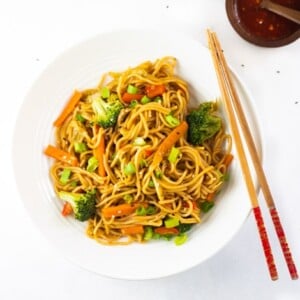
(32, 34)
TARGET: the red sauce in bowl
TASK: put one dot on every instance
(261, 26)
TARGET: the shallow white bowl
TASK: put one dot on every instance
(81, 67)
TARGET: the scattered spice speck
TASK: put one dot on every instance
(242, 65)
(277, 71)
(296, 102)
(167, 6)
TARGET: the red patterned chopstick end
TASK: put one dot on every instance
(265, 243)
(284, 245)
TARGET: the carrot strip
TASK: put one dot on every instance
(210, 196)
(136, 229)
(68, 108)
(148, 153)
(169, 142)
(99, 154)
(127, 97)
(194, 204)
(61, 155)
(119, 210)
(155, 90)
(67, 209)
(228, 159)
(165, 230)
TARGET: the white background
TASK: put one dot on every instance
(32, 34)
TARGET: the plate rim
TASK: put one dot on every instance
(15, 134)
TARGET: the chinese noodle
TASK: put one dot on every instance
(173, 190)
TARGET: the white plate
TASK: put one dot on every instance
(81, 67)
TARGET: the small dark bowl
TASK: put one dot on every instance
(245, 32)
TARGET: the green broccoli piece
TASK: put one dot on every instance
(84, 205)
(106, 111)
(202, 123)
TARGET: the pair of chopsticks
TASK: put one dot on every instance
(233, 108)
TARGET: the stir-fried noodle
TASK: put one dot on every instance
(147, 179)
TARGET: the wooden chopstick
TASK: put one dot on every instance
(256, 162)
(227, 95)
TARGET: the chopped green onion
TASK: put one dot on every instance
(148, 234)
(129, 169)
(172, 121)
(151, 209)
(144, 211)
(80, 118)
(133, 104)
(139, 141)
(80, 147)
(145, 100)
(92, 164)
(74, 183)
(180, 239)
(141, 211)
(171, 222)
(158, 174)
(167, 237)
(131, 89)
(151, 184)
(206, 206)
(105, 93)
(156, 236)
(157, 99)
(64, 176)
(225, 177)
(173, 155)
(128, 198)
(143, 163)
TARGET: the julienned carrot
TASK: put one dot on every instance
(169, 142)
(118, 210)
(165, 230)
(127, 97)
(186, 204)
(68, 108)
(61, 155)
(67, 209)
(148, 152)
(210, 196)
(135, 229)
(155, 90)
(99, 154)
(228, 159)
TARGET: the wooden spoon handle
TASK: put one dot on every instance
(289, 13)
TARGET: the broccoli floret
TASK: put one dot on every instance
(83, 204)
(202, 123)
(106, 110)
